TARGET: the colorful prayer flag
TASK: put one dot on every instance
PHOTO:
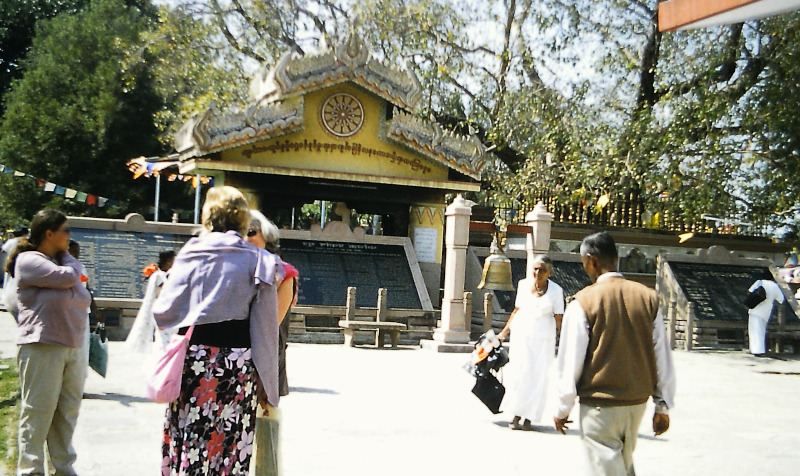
(70, 193)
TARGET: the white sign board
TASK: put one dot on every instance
(426, 243)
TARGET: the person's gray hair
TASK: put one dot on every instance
(548, 262)
(268, 230)
(600, 245)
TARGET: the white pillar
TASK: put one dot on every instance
(453, 327)
(538, 241)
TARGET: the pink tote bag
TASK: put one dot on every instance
(164, 383)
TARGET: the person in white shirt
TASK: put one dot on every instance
(613, 355)
(759, 315)
(140, 337)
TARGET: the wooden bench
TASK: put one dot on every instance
(381, 327)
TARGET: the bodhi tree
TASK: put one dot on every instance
(579, 100)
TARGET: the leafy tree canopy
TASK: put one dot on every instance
(579, 100)
(76, 115)
(17, 25)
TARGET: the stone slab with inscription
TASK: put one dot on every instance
(718, 290)
(328, 268)
(114, 260)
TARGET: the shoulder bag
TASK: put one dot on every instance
(164, 383)
(98, 349)
(755, 297)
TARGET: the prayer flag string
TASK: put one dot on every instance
(66, 192)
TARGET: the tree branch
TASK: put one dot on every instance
(219, 19)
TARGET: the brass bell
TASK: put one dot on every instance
(496, 270)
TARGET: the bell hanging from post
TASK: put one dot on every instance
(496, 270)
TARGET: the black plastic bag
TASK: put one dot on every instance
(490, 391)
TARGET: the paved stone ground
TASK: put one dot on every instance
(405, 412)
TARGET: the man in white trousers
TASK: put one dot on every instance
(759, 315)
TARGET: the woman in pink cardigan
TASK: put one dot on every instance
(51, 338)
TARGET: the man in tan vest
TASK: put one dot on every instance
(613, 355)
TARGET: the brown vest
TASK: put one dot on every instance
(620, 365)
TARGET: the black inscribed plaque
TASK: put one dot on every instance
(114, 260)
(718, 290)
(567, 274)
(328, 268)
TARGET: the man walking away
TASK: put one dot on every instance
(613, 355)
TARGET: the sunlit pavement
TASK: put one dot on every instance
(366, 411)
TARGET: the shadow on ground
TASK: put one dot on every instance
(123, 399)
(549, 430)
(324, 391)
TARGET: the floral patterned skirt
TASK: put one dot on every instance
(210, 427)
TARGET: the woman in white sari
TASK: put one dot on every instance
(140, 338)
(537, 313)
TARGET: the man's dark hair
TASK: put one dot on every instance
(74, 249)
(600, 245)
(164, 257)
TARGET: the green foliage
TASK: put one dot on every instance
(9, 412)
(17, 26)
(191, 70)
(76, 116)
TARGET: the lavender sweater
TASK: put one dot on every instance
(215, 278)
(52, 300)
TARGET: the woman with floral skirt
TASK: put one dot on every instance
(224, 289)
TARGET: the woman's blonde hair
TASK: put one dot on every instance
(225, 209)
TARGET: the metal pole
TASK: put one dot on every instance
(197, 201)
(158, 195)
(322, 210)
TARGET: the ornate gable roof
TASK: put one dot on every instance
(465, 154)
(278, 108)
(349, 61)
